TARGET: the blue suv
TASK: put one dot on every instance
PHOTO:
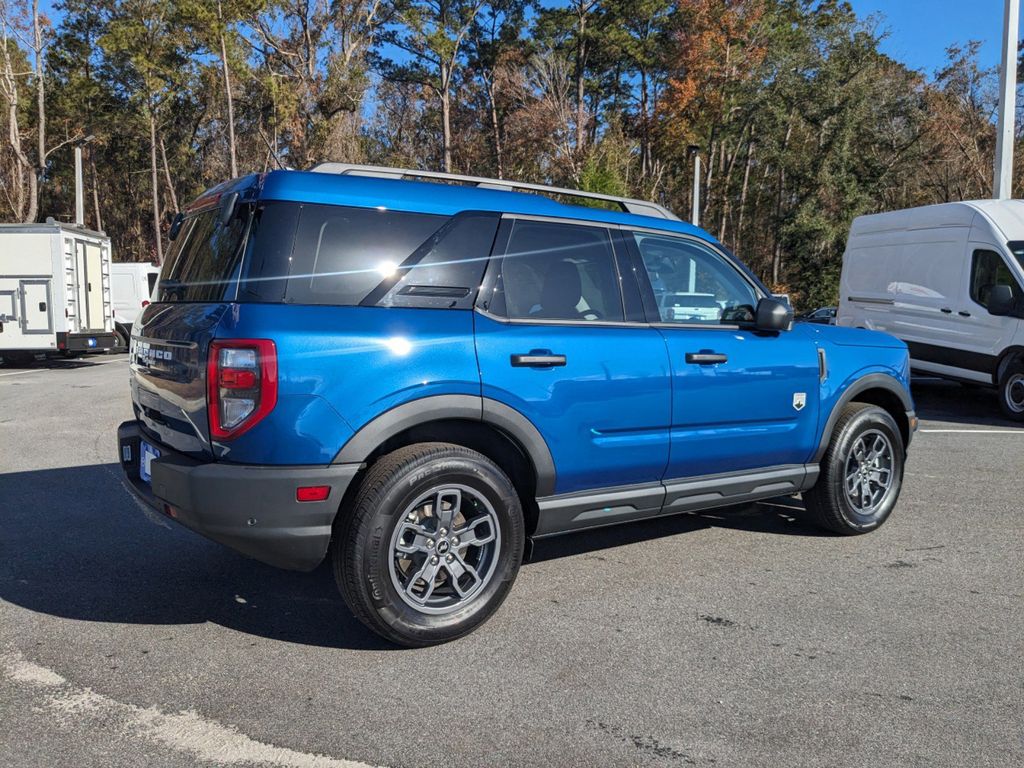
(424, 375)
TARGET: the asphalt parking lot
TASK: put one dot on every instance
(738, 638)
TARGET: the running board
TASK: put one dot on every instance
(590, 509)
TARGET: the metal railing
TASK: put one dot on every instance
(629, 205)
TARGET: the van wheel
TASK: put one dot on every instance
(430, 545)
(861, 473)
(1011, 391)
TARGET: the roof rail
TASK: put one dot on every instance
(629, 205)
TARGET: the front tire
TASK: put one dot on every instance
(1011, 392)
(861, 473)
(431, 544)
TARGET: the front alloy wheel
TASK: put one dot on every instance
(861, 473)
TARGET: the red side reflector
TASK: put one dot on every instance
(312, 493)
(145, 304)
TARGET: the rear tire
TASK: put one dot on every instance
(861, 473)
(1011, 391)
(431, 544)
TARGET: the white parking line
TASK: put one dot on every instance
(17, 373)
(977, 431)
(186, 732)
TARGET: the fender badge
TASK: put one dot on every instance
(799, 400)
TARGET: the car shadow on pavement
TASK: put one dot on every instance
(75, 544)
(947, 401)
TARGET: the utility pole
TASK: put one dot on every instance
(1003, 173)
(694, 150)
(79, 186)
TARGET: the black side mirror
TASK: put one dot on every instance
(773, 315)
(227, 208)
(1000, 300)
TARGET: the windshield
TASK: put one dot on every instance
(1017, 249)
(203, 262)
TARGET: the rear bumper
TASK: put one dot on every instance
(251, 509)
(86, 342)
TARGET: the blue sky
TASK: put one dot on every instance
(921, 30)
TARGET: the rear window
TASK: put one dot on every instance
(203, 262)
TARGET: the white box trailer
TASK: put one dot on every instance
(54, 290)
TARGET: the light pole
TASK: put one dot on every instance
(79, 194)
(694, 150)
(1003, 173)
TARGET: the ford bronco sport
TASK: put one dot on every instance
(423, 375)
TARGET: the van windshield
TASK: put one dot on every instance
(1017, 249)
(203, 262)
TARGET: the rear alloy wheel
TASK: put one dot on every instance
(431, 544)
(1011, 392)
(861, 473)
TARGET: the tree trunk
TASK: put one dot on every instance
(737, 240)
(167, 176)
(446, 126)
(581, 65)
(95, 190)
(645, 134)
(154, 185)
(777, 250)
(499, 160)
(230, 101)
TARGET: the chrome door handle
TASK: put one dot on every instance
(706, 358)
(537, 360)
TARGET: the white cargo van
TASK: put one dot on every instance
(54, 290)
(946, 279)
(131, 286)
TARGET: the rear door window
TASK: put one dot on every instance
(554, 271)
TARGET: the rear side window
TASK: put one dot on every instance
(987, 271)
(558, 272)
(318, 254)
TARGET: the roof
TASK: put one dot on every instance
(443, 199)
(1006, 215)
(51, 227)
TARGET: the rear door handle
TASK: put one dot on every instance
(964, 314)
(946, 310)
(537, 360)
(706, 358)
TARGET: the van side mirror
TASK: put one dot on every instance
(773, 315)
(1000, 300)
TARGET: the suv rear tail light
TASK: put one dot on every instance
(241, 381)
